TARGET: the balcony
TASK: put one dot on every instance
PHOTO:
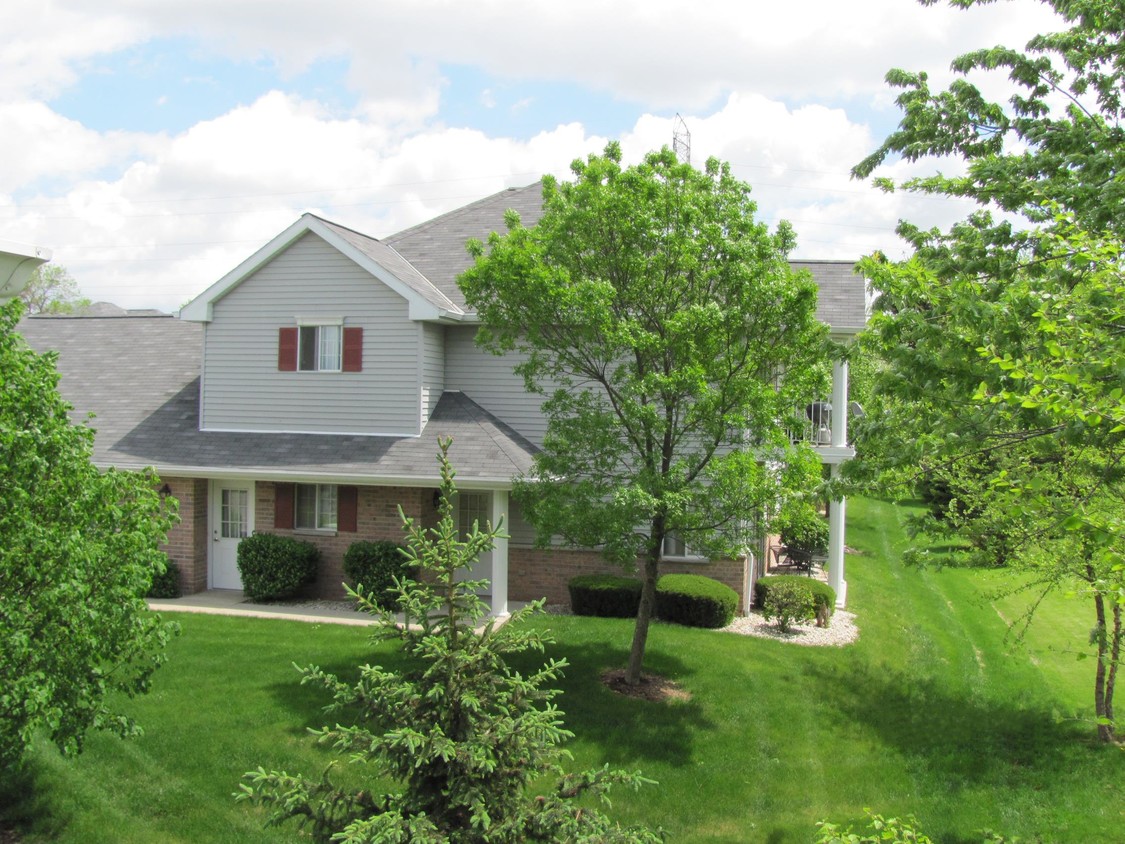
(824, 423)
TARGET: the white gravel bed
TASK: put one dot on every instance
(841, 630)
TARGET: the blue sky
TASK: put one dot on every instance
(153, 146)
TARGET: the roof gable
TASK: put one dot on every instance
(380, 260)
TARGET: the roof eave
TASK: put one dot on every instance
(290, 476)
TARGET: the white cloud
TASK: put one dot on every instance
(152, 219)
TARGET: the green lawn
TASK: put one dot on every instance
(931, 712)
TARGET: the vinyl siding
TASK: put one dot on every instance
(433, 367)
(242, 387)
(521, 534)
(490, 382)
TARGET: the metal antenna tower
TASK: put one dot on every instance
(681, 140)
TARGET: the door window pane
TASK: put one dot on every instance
(235, 513)
(471, 507)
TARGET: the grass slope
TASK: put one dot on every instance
(932, 712)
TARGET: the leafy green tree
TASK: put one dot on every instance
(52, 290)
(656, 316)
(467, 738)
(1003, 335)
(79, 549)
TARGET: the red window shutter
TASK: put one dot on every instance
(353, 350)
(287, 349)
(347, 509)
(283, 506)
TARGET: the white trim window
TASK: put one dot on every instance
(316, 507)
(676, 549)
(320, 348)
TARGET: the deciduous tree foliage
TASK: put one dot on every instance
(655, 316)
(1003, 335)
(52, 290)
(468, 746)
(78, 550)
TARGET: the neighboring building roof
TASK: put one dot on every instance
(437, 247)
(140, 375)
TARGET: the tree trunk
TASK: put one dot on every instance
(1103, 704)
(644, 614)
(1111, 673)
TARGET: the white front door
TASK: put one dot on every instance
(232, 519)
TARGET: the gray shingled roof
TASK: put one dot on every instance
(393, 262)
(437, 247)
(842, 298)
(140, 376)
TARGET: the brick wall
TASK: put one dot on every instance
(377, 518)
(187, 543)
(543, 573)
(532, 573)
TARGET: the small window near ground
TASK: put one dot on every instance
(674, 546)
(315, 507)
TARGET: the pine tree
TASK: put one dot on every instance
(466, 737)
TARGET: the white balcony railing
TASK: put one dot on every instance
(816, 425)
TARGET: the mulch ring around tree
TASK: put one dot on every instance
(651, 687)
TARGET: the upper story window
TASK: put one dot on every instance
(320, 344)
(320, 348)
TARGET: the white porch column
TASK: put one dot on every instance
(500, 554)
(837, 518)
(839, 403)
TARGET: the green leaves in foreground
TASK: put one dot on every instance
(78, 550)
(466, 740)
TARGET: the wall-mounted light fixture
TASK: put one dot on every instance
(165, 491)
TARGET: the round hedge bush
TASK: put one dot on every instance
(824, 595)
(605, 595)
(274, 566)
(374, 567)
(166, 584)
(695, 600)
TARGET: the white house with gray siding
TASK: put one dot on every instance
(303, 393)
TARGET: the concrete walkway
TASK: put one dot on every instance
(233, 602)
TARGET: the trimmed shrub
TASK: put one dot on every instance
(695, 600)
(789, 603)
(824, 596)
(372, 568)
(274, 566)
(605, 595)
(166, 584)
